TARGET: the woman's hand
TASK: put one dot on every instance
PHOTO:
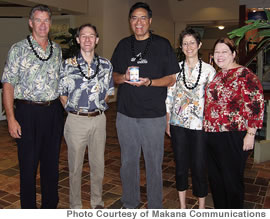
(168, 132)
(248, 142)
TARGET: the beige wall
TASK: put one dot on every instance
(199, 10)
(213, 12)
(15, 29)
(115, 24)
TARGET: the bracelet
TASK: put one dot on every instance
(250, 133)
(150, 82)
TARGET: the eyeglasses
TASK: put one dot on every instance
(142, 19)
(186, 44)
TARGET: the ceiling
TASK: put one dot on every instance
(20, 8)
(8, 4)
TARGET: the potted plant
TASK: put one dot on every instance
(69, 42)
(263, 27)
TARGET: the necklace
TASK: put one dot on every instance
(96, 72)
(145, 50)
(184, 76)
(35, 52)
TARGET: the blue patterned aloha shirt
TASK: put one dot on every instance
(32, 78)
(86, 95)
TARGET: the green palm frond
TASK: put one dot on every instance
(267, 12)
(264, 33)
(263, 27)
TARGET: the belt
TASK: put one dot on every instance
(89, 114)
(41, 103)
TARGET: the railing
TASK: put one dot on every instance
(257, 59)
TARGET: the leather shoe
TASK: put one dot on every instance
(99, 207)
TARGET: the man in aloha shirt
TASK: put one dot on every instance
(85, 84)
(30, 79)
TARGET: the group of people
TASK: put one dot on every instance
(211, 117)
(37, 81)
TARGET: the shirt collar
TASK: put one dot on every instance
(81, 60)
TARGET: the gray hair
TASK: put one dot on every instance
(44, 8)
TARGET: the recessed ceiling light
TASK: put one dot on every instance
(221, 27)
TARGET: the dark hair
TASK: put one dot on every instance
(229, 42)
(140, 5)
(189, 31)
(86, 25)
(44, 8)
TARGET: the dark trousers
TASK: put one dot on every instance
(42, 129)
(190, 153)
(226, 165)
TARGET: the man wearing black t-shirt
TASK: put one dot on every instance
(141, 113)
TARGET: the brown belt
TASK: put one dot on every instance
(41, 103)
(89, 114)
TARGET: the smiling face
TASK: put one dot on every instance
(190, 46)
(140, 23)
(223, 56)
(87, 39)
(40, 24)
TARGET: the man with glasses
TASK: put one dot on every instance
(30, 79)
(141, 113)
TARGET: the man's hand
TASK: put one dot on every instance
(14, 128)
(141, 82)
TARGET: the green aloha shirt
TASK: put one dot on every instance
(32, 78)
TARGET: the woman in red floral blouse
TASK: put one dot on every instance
(234, 107)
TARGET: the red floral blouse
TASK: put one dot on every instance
(233, 101)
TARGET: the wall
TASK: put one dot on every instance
(210, 10)
(212, 13)
(255, 4)
(16, 29)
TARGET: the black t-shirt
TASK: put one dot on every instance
(159, 61)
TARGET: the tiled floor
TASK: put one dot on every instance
(257, 176)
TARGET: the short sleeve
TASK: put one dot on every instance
(12, 67)
(63, 84)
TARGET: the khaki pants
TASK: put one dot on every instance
(79, 132)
